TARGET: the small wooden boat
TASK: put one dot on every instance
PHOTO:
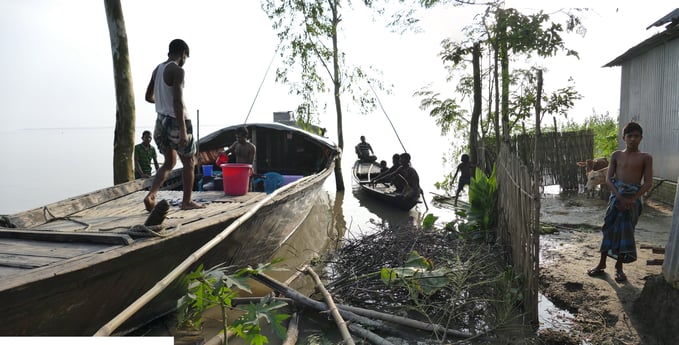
(365, 172)
(69, 267)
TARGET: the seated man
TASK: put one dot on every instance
(395, 161)
(242, 149)
(405, 178)
(364, 151)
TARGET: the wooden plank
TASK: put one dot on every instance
(25, 261)
(85, 237)
(62, 250)
(6, 271)
(654, 262)
(654, 249)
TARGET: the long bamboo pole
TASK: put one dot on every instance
(112, 325)
(341, 324)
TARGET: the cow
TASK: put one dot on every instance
(596, 178)
(593, 164)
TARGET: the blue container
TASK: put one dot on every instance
(207, 170)
(271, 181)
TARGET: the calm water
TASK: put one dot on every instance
(42, 166)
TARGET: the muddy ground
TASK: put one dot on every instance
(604, 311)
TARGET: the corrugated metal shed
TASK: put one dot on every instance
(649, 95)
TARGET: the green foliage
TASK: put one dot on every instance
(510, 289)
(483, 199)
(429, 221)
(248, 325)
(606, 133)
(417, 275)
(207, 289)
(313, 63)
(465, 226)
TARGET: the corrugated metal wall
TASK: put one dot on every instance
(650, 96)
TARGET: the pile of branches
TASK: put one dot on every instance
(473, 300)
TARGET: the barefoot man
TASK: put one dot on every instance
(626, 172)
(173, 131)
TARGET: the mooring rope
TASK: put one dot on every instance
(46, 212)
(140, 230)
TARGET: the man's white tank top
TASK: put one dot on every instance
(163, 93)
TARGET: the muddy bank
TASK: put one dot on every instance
(605, 311)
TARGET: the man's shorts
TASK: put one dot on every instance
(166, 136)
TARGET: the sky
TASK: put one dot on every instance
(58, 68)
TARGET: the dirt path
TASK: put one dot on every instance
(603, 309)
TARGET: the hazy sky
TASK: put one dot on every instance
(58, 70)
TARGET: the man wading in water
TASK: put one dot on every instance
(173, 131)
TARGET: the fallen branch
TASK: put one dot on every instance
(359, 315)
(293, 330)
(366, 334)
(341, 324)
(405, 321)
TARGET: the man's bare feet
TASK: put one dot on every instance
(192, 206)
(150, 202)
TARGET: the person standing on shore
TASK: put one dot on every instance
(144, 153)
(626, 172)
(173, 132)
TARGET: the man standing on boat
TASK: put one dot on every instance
(173, 132)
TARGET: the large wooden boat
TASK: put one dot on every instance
(365, 172)
(69, 267)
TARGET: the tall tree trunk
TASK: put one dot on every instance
(478, 99)
(496, 118)
(123, 140)
(337, 82)
(504, 63)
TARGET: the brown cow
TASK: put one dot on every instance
(594, 164)
(596, 178)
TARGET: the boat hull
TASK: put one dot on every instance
(59, 277)
(365, 172)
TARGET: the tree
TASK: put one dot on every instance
(308, 31)
(504, 35)
(123, 140)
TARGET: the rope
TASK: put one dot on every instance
(47, 212)
(511, 178)
(140, 230)
(262, 83)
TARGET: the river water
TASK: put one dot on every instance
(42, 166)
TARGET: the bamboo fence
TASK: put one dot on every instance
(517, 228)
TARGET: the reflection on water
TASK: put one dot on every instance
(551, 317)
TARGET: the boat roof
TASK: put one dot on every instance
(221, 135)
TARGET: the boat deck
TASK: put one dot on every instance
(105, 226)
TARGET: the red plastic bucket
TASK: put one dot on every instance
(236, 178)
